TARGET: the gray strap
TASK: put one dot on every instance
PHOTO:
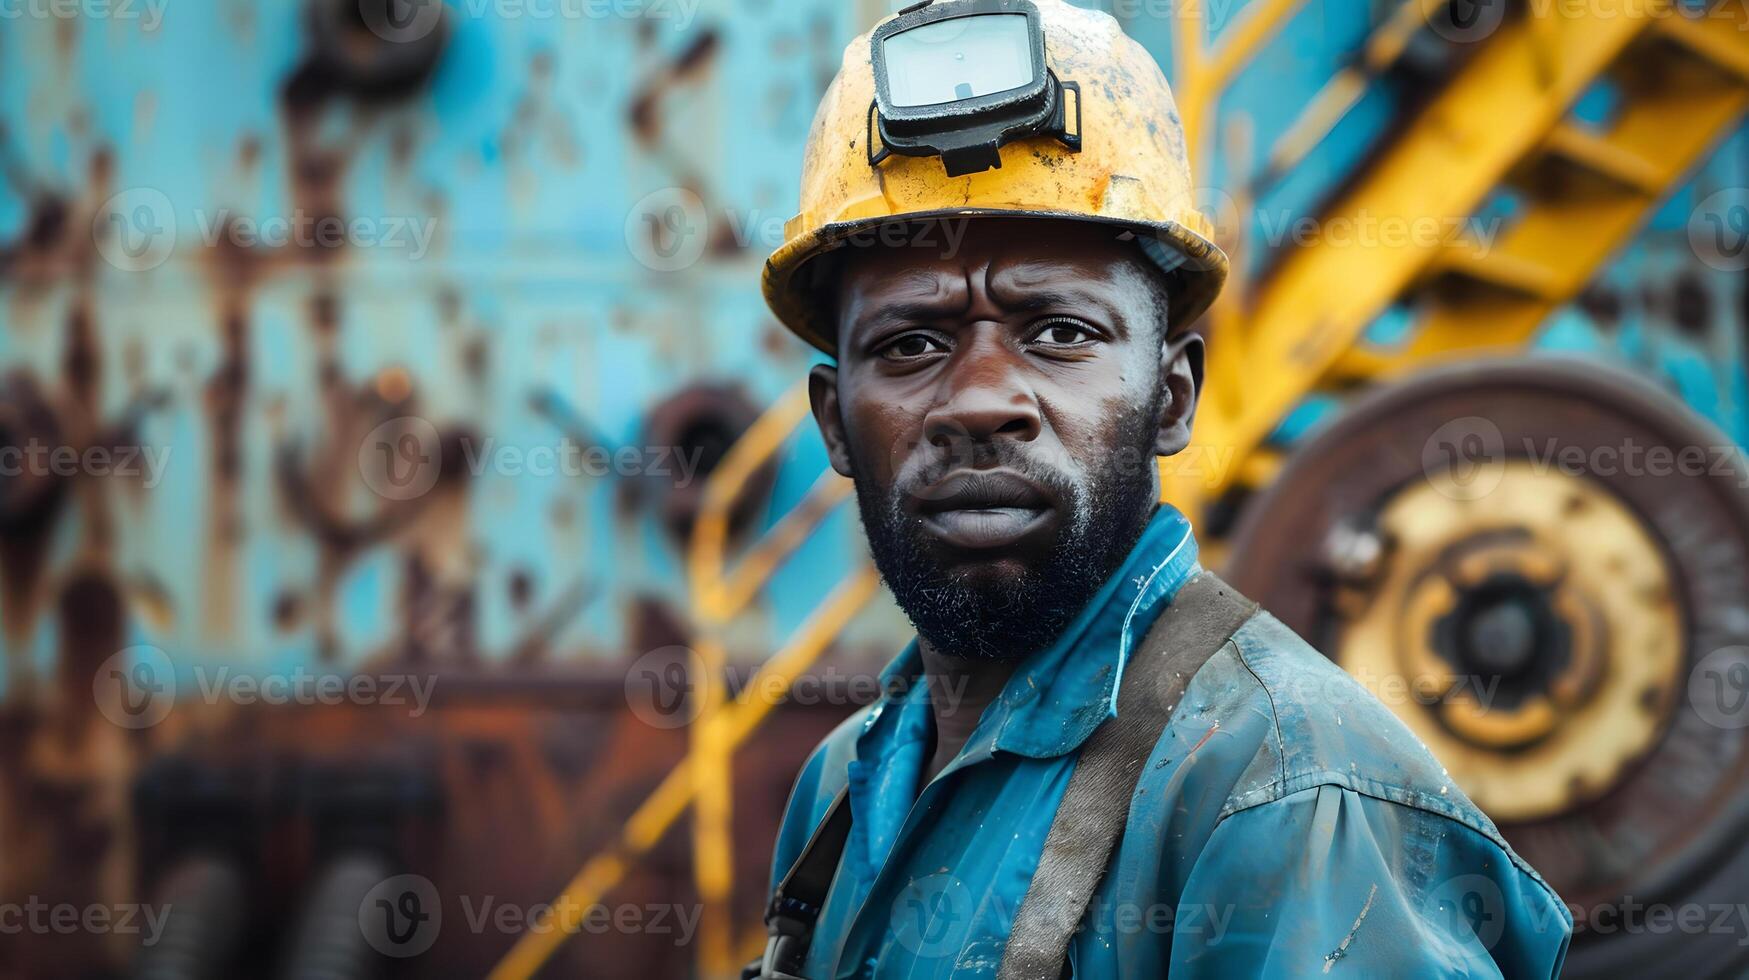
(1201, 618)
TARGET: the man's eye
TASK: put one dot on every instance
(912, 345)
(1063, 333)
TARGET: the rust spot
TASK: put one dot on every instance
(80, 360)
(688, 434)
(29, 508)
(344, 56)
(476, 355)
(1691, 306)
(1603, 305)
(28, 256)
(394, 385)
(288, 609)
(521, 588)
(645, 115)
(564, 513)
(90, 624)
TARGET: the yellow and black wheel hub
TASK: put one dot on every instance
(1536, 628)
(1531, 562)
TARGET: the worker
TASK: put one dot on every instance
(1096, 759)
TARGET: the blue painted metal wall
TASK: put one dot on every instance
(536, 157)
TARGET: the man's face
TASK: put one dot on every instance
(1000, 409)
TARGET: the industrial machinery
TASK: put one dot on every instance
(417, 349)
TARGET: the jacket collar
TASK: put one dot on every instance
(1060, 695)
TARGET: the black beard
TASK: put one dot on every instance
(1022, 614)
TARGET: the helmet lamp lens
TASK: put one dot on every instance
(957, 59)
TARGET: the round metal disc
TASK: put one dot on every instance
(1542, 566)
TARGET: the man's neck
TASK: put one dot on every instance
(960, 689)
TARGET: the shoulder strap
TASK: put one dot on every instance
(798, 899)
(1202, 617)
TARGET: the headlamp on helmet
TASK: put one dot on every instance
(962, 78)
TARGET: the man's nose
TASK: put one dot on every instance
(986, 401)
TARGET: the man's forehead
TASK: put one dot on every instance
(1063, 259)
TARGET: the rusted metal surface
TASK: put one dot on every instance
(262, 271)
(174, 284)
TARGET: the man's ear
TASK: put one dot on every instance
(1181, 375)
(823, 397)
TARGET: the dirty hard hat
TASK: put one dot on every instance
(988, 108)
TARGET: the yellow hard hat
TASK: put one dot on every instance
(1128, 170)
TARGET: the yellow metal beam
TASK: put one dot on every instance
(1204, 73)
(1672, 116)
(1590, 151)
(704, 778)
(658, 812)
(1705, 37)
(1398, 220)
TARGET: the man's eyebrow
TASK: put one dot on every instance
(1029, 300)
(910, 311)
(1038, 299)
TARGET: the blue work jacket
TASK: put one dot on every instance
(1287, 824)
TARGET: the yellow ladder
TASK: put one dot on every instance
(1503, 120)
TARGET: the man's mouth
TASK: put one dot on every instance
(984, 509)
